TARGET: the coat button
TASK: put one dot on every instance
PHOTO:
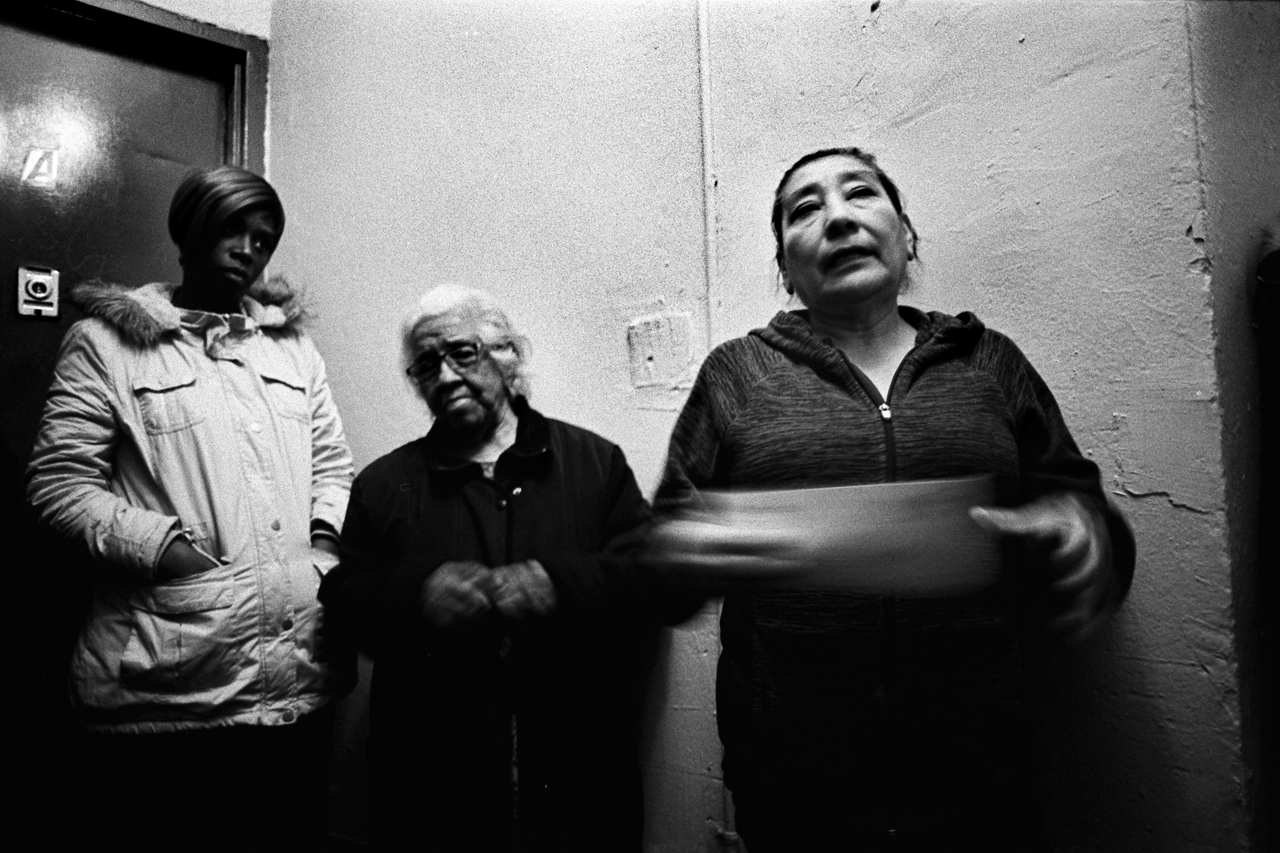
(502, 503)
(255, 427)
(288, 716)
(286, 624)
(275, 525)
(517, 490)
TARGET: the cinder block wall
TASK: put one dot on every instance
(1089, 177)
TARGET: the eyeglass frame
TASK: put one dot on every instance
(482, 350)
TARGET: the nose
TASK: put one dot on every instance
(242, 246)
(447, 373)
(841, 217)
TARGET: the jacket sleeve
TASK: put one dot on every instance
(355, 592)
(693, 463)
(69, 476)
(595, 586)
(694, 449)
(1049, 458)
(331, 466)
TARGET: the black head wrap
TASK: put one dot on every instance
(206, 198)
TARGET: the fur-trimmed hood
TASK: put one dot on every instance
(145, 314)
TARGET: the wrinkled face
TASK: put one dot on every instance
(844, 244)
(469, 401)
(241, 249)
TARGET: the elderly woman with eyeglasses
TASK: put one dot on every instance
(487, 568)
(877, 707)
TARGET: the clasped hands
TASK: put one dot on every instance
(463, 591)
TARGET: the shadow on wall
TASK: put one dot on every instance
(1109, 775)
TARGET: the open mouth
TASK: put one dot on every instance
(840, 257)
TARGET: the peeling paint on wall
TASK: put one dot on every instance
(661, 351)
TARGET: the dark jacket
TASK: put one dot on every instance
(891, 713)
(443, 701)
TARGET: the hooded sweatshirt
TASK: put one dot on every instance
(893, 711)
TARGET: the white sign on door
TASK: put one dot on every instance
(41, 168)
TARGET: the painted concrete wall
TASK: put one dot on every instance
(251, 17)
(1086, 176)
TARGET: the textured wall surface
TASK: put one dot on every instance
(252, 17)
(548, 152)
(1086, 176)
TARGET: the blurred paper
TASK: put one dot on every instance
(900, 538)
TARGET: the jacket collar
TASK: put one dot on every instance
(533, 440)
(145, 314)
(937, 334)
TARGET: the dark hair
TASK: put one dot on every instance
(869, 159)
(207, 198)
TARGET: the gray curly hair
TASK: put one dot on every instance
(455, 302)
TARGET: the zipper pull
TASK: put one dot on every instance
(885, 412)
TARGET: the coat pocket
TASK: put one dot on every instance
(179, 640)
(286, 391)
(168, 401)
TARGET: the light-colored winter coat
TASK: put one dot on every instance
(161, 420)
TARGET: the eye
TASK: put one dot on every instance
(860, 191)
(464, 355)
(803, 210)
(426, 365)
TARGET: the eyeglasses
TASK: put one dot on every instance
(460, 355)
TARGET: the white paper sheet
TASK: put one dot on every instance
(902, 538)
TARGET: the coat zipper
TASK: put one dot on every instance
(886, 414)
(888, 604)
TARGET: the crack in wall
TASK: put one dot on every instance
(1176, 504)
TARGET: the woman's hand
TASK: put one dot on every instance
(1079, 556)
(456, 593)
(523, 589)
(181, 560)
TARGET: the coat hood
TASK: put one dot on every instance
(790, 332)
(938, 335)
(144, 314)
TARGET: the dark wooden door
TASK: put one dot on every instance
(100, 117)
(102, 111)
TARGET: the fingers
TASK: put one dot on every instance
(1078, 557)
(455, 594)
(461, 592)
(1061, 522)
(1034, 521)
(1079, 613)
(523, 589)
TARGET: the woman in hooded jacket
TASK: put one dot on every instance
(878, 718)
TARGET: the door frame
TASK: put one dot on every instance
(128, 24)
